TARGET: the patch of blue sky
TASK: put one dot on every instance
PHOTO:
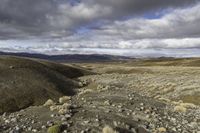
(152, 15)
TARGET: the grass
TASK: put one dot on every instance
(195, 99)
(54, 129)
(174, 79)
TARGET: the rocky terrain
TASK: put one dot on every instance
(125, 98)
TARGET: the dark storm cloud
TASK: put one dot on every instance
(26, 19)
(121, 7)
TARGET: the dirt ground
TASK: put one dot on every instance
(128, 98)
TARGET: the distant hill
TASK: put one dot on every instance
(166, 61)
(70, 57)
(25, 82)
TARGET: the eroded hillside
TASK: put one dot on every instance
(25, 82)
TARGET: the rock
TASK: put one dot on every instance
(133, 130)
(53, 115)
(33, 121)
(53, 108)
(63, 119)
(43, 127)
(174, 129)
(50, 123)
(173, 120)
(11, 67)
(193, 125)
(80, 84)
(83, 131)
(162, 130)
(68, 116)
(127, 126)
(119, 106)
(65, 131)
(13, 120)
(30, 128)
(130, 98)
(49, 103)
(4, 114)
(107, 102)
(34, 130)
(7, 121)
(86, 122)
(108, 129)
(115, 123)
(64, 99)
(66, 106)
(18, 129)
(141, 104)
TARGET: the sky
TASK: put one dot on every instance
(139, 28)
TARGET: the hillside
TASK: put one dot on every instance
(191, 62)
(25, 82)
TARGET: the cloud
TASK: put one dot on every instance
(56, 19)
(121, 27)
(177, 24)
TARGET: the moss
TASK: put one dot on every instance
(54, 129)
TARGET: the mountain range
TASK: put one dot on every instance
(70, 57)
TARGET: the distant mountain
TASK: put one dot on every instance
(70, 57)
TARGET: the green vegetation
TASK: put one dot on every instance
(54, 129)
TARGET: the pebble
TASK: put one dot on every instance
(162, 130)
(53, 115)
(86, 122)
(50, 123)
(63, 119)
(33, 121)
(34, 130)
(7, 121)
(83, 131)
(127, 126)
(68, 116)
(65, 131)
(115, 123)
(43, 127)
(30, 128)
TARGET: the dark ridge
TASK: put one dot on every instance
(70, 57)
(25, 82)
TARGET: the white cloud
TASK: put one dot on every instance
(177, 29)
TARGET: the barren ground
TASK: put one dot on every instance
(127, 97)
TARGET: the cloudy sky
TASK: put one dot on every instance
(120, 27)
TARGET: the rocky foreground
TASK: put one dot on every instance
(98, 105)
(111, 99)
